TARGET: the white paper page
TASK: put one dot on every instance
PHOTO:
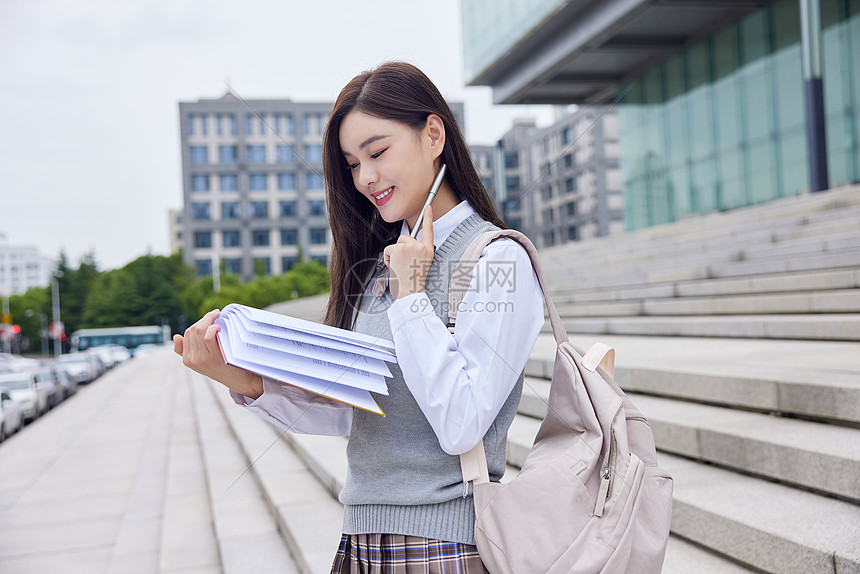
(242, 350)
(302, 336)
(357, 397)
(315, 328)
(249, 333)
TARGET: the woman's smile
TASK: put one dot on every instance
(383, 196)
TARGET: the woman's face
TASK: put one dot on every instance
(391, 164)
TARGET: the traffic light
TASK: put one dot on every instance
(16, 329)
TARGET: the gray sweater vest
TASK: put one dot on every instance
(399, 479)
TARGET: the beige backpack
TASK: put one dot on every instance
(590, 497)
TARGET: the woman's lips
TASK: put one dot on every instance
(383, 197)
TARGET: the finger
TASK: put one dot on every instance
(427, 227)
(177, 344)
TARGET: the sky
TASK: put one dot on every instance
(89, 133)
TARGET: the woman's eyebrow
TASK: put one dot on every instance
(370, 140)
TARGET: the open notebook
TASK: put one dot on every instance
(335, 363)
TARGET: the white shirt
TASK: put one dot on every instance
(460, 381)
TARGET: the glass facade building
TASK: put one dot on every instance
(721, 124)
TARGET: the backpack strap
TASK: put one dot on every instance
(473, 464)
(461, 279)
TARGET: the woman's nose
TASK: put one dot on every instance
(366, 177)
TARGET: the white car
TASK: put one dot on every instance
(32, 399)
(82, 367)
(11, 417)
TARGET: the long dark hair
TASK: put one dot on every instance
(400, 92)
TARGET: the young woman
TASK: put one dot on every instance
(405, 503)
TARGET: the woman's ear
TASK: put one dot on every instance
(435, 130)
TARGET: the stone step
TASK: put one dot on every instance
(754, 225)
(811, 379)
(829, 327)
(247, 533)
(802, 281)
(848, 258)
(814, 455)
(769, 526)
(827, 233)
(834, 301)
(309, 519)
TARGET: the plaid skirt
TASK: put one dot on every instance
(399, 554)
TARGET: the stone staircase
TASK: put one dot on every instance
(738, 336)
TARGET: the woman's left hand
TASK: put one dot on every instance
(409, 260)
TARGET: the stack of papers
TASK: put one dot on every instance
(335, 363)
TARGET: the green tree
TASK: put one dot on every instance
(28, 310)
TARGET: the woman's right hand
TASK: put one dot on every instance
(201, 352)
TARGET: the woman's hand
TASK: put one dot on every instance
(409, 260)
(201, 352)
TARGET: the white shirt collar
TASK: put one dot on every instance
(443, 226)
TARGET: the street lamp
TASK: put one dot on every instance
(55, 299)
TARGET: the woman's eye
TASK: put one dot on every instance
(379, 153)
(351, 166)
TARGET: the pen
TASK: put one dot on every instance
(434, 189)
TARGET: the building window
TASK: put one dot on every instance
(289, 236)
(231, 210)
(219, 127)
(291, 125)
(313, 153)
(262, 119)
(571, 208)
(200, 182)
(548, 216)
(314, 181)
(199, 154)
(286, 181)
(260, 237)
(262, 266)
(512, 182)
(232, 265)
(259, 209)
(316, 208)
(287, 208)
(512, 160)
(573, 233)
(567, 135)
(321, 258)
(568, 160)
(287, 262)
(570, 184)
(258, 182)
(285, 154)
(202, 239)
(229, 182)
(203, 121)
(230, 238)
(318, 235)
(227, 154)
(200, 211)
(548, 239)
(256, 154)
(249, 124)
(232, 119)
(189, 124)
(203, 266)
(546, 193)
(512, 204)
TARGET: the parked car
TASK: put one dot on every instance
(69, 385)
(32, 399)
(15, 363)
(45, 378)
(105, 354)
(120, 353)
(11, 417)
(83, 367)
